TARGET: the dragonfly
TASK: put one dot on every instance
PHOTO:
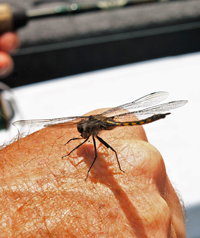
(138, 112)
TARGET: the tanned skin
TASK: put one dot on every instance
(43, 195)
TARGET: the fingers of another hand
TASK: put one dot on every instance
(6, 64)
(8, 44)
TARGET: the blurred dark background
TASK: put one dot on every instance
(66, 45)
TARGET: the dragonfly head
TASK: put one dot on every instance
(82, 127)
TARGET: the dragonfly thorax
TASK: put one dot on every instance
(92, 126)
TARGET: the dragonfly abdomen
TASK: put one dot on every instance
(142, 122)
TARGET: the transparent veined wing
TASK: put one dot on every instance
(149, 111)
(145, 101)
(46, 122)
(150, 99)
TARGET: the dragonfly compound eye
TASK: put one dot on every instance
(80, 128)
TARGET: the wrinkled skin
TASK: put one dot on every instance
(42, 195)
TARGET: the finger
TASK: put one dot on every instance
(9, 42)
(145, 170)
(6, 64)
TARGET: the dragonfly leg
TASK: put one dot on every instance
(76, 146)
(95, 150)
(110, 147)
(73, 139)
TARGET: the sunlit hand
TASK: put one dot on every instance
(45, 196)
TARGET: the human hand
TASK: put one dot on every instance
(42, 195)
(8, 44)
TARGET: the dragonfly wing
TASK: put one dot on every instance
(165, 107)
(161, 108)
(45, 122)
(145, 101)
